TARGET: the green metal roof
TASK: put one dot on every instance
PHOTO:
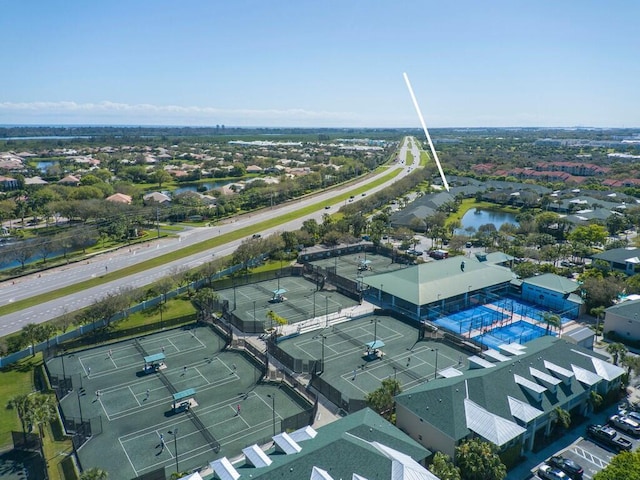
(553, 282)
(339, 449)
(430, 282)
(441, 402)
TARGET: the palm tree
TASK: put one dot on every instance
(552, 320)
(562, 418)
(595, 400)
(598, 312)
(617, 351)
(94, 473)
(22, 405)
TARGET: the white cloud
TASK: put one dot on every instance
(18, 112)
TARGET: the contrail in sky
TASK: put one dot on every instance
(426, 132)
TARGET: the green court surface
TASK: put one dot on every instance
(348, 265)
(302, 300)
(131, 410)
(349, 370)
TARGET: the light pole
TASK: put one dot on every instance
(435, 375)
(326, 310)
(174, 432)
(314, 302)
(273, 411)
(81, 393)
(254, 310)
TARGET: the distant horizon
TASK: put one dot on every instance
(265, 127)
(331, 64)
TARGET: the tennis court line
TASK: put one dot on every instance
(166, 399)
(134, 396)
(200, 373)
(128, 458)
(154, 429)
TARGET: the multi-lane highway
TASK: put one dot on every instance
(77, 273)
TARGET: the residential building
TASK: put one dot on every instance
(509, 399)
(623, 319)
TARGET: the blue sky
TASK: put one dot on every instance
(330, 63)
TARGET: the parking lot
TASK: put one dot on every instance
(590, 455)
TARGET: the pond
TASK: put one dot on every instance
(475, 217)
(208, 186)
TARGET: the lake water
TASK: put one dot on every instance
(475, 218)
(208, 186)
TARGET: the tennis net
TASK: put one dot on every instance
(397, 366)
(215, 445)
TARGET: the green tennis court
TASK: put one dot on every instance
(136, 428)
(349, 369)
(302, 300)
(360, 264)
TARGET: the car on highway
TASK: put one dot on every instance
(625, 424)
(568, 466)
(327, 207)
(608, 437)
(547, 472)
(256, 235)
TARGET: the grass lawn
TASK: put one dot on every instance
(424, 158)
(14, 380)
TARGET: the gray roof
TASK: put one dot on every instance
(442, 402)
(627, 309)
(619, 255)
(428, 282)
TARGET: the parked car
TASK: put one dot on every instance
(439, 254)
(547, 472)
(608, 437)
(468, 244)
(568, 466)
(625, 424)
(635, 416)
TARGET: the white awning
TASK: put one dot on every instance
(286, 444)
(256, 456)
(490, 426)
(320, 474)
(223, 469)
(302, 434)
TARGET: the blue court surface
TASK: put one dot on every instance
(518, 332)
(476, 318)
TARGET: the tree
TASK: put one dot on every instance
(632, 363)
(552, 320)
(205, 299)
(382, 399)
(595, 400)
(561, 417)
(598, 312)
(161, 176)
(443, 468)
(617, 351)
(94, 473)
(624, 465)
(31, 332)
(479, 460)
(275, 318)
(22, 405)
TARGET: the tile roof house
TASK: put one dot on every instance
(119, 198)
(70, 180)
(509, 403)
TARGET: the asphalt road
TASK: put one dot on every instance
(75, 274)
